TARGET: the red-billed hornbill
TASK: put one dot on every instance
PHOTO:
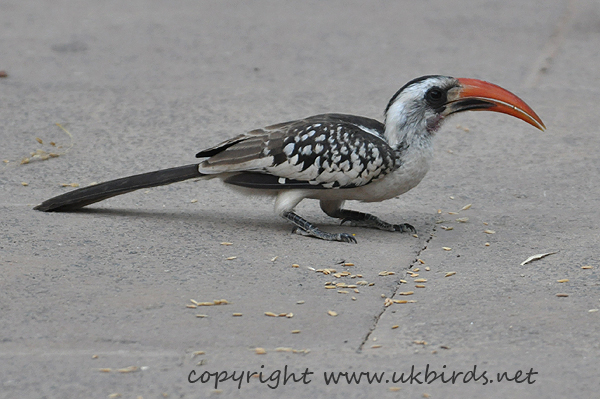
(330, 157)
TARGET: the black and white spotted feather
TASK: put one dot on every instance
(320, 152)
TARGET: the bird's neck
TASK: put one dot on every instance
(406, 128)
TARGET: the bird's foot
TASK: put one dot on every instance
(305, 228)
(359, 219)
(342, 237)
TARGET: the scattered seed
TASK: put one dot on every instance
(201, 316)
(343, 292)
(419, 286)
(69, 184)
(444, 347)
(282, 349)
(191, 306)
(260, 351)
(564, 280)
(300, 302)
(376, 346)
(462, 220)
(464, 208)
(536, 257)
(114, 395)
(289, 315)
(421, 261)
(416, 269)
(295, 265)
(105, 370)
(427, 268)
(487, 244)
(562, 295)
(295, 331)
(587, 267)
(24, 184)
(354, 298)
(403, 281)
(386, 273)
(400, 301)
(421, 280)
(406, 293)
(129, 369)
(447, 228)
(420, 342)
(231, 258)
(237, 315)
(94, 356)
(270, 314)
(332, 313)
(452, 213)
(348, 264)
(450, 274)
(274, 258)
(489, 231)
(593, 310)
(395, 326)
(394, 389)
(311, 268)
(3, 74)
(447, 248)
(226, 243)
(282, 314)
(194, 201)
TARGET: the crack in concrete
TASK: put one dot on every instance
(398, 285)
(550, 50)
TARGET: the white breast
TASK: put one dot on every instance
(416, 164)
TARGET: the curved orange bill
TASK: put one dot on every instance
(483, 96)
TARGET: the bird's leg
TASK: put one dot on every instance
(361, 219)
(305, 228)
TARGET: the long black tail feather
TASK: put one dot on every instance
(88, 195)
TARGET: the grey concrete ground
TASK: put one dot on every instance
(145, 85)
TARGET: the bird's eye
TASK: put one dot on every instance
(435, 96)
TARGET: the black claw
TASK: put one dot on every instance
(404, 227)
(345, 237)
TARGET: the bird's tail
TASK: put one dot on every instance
(88, 195)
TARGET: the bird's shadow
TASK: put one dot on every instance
(218, 220)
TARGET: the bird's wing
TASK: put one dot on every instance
(322, 151)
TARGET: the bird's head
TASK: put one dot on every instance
(421, 106)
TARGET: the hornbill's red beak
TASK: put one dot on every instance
(477, 95)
